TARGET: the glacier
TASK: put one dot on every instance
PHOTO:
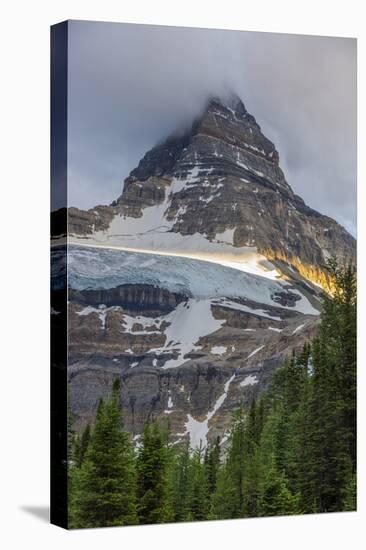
(91, 268)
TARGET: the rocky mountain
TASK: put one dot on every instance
(196, 282)
(222, 175)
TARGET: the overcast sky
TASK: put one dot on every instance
(131, 85)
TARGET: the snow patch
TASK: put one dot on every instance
(219, 350)
(170, 405)
(197, 429)
(101, 311)
(275, 329)
(226, 236)
(249, 381)
(146, 322)
(189, 322)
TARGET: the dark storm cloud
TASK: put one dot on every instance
(131, 85)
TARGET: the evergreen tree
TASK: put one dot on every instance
(199, 501)
(81, 446)
(180, 484)
(350, 499)
(331, 404)
(224, 500)
(104, 490)
(251, 463)
(71, 434)
(228, 500)
(212, 464)
(152, 478)
(276, 498)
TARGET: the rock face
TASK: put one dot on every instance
(224, 367)
(197, 281)
(225, 174)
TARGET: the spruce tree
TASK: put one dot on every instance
(81, 446)
(199, 500)
(152, 476)
(251, 463)
(228, 499)
(180, 484)
(212, 464)
(104, 488)
(276, 498)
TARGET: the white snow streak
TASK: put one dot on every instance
(198, 430)
(297, 329)
(170, 405)
(255, 351)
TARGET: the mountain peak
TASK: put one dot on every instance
(226, 119)
(221, 178)
(231, 101)
(224, 135)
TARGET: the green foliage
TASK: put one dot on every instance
(350, 499)
(81, 446)
(152, 475)
(330, 403)
(212, 464)
(276, 498)
(104, 486)
(199, 487)
(292, 452)
(180, 484)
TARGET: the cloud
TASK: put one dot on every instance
(132, 85)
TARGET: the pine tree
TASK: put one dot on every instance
(152, 476)
(330, 436)
(212, 464)
(180, 484)
(224, 501)
(71, 434)
(251, 463)
(276, 498)
(199, 500)
(104, 488)
(290, 391)
(228, 499)
(81, 446)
